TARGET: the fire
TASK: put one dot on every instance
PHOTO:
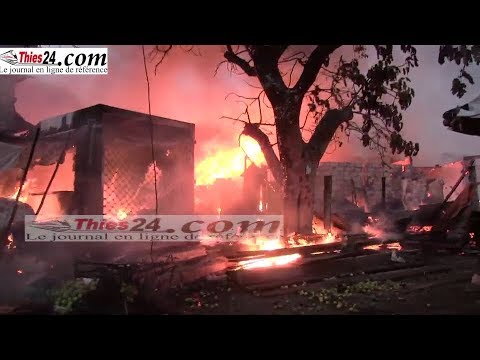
(229, 163)
(281, 260)
(330, 238)
(377, 247)
(318, 227)
(373, 231)
(259, 243)
(10, 243)
(420, 229)
(23, 196)
(122, 214)
(394, 246)
(19, 271)
(263, 243)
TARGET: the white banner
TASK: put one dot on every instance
(54, 61)
(85, 228)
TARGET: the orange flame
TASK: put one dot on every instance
(228, 163)
(281, 260)
(260, 206)
(394, 246)
(10, 243)
(377, 247)
(122, 214)
(373, 231)
(24, 196)
(262, 243)
(420, 229)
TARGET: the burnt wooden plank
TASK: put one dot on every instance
(303, 250)
(181, 274)
(318, 270)
(393, 275)
(327, 205)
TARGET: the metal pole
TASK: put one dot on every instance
(22, 182)
(383, 192)
(62, 154)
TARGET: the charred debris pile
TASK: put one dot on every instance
(369, 219)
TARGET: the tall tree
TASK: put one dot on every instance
(343, 90)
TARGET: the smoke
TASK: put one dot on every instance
(185, 88)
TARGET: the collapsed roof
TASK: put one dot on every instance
(464, 119)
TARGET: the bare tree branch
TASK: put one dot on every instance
(254, 131)
(317, 59)
(326, 129)
(265, 59)
(234, 58)
(158, 51)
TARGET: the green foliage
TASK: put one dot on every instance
(464, 56)
(71, 293)
(341, 297)
(378, 96)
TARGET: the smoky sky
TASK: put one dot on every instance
(185, 88)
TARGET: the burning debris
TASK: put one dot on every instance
(272, 261)
(345, 227)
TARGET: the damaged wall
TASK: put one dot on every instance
(406, 187)
(360, 184)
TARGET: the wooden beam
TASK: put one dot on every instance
(303, 250)
(4, 235)
(383, 192)
(269, 278)
(327, 203)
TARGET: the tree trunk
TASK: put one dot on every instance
(299, 195)
(299, 169)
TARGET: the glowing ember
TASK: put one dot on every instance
(378, 247)
(375, 247)
(23, 197)
(122, 214)
(318, 227)
(263, 243)
(472, 235)
(269, 262)
(420, 229)
(373, 231)
(330, 238)
(10, 244)
(394, 246)
(260, 206)
(225, 164)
